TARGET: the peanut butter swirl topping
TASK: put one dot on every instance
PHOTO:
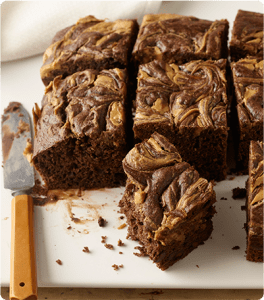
(166, 188)
(247, 33)
(193, 94)
(86, 103)
(90, 43)
(164, 36)
(248, 80)
(256, 183)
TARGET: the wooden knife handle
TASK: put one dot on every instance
(23, 276)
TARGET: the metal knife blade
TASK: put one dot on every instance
(19, 177)
(16, 133)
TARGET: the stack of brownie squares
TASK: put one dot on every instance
(181, 130)
(81, 128)
(246, 50)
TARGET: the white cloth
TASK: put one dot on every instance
(28, 26)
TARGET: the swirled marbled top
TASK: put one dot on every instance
(256, 178)
(192, 94)
(248, 82)
(175, 38)
(90, 43)
(255, 186)
(247, 35)
(86, 103)
(166, 189)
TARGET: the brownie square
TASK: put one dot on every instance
(248, 110)
(177, 39)
(188, 105)
(89, 44)
(247, 35)
(168, 206)
(254, 204)
(80, 136)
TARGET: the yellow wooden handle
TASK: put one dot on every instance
(23, 276)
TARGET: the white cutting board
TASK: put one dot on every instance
(212, 265)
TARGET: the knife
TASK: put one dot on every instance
(19, 178)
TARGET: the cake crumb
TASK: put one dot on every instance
(59, 262)
(236, 248)
(197, 266)
(121, 217)
(243, 207)
(239, 193)
(115, 267)
(122, 226)
(86, 250)
(103, 239)
(142, 252)
(232, 178)
(121, 266)
(102, 222)
(69, 227)
(120, 243)
(120, 252)
(109, 246)
(223, 198)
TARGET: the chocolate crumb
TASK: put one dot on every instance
(122, 226)
(197, 266)
(103, 239)
(239, 193)
(86, 249)
(243, 207)
(109, 246)
(59, 262)
(142, 251)
(121, 217)
(115, 267)
(102, 222)
(236, 248)
(223, 198)
(69, 227)
(120, 243)
(120, 252)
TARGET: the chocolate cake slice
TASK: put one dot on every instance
(188, 105)
(80, 132)
(169, 207)
(247, 108)
(254, 204)
(89, 44)
(247, 35)
(178, 39)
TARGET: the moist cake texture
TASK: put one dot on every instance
(188, 105)
(177, 39)
(89, 44)
(254, 225)
(80, 135)
(247, 35)
(248, 110)
(168, 206)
